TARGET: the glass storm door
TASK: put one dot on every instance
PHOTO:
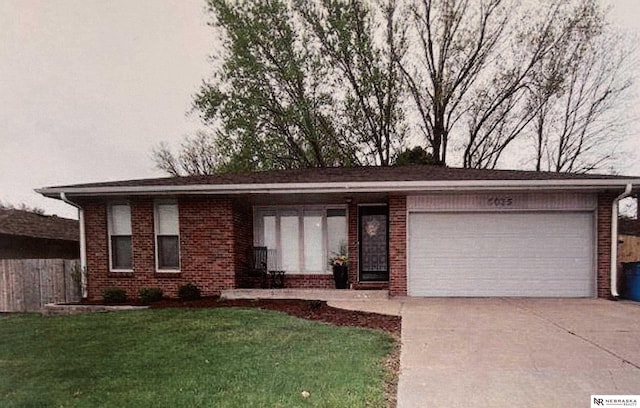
(374, 243)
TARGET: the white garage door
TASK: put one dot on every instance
(501, 254)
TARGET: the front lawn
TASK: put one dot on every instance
(188, 358)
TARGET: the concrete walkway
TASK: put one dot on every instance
(517, 352)
(374, 301)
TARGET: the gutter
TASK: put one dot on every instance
(83, 244)
(614, 241)
(340, 187)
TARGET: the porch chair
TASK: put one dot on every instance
(259, 265)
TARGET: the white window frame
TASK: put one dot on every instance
(156, 228)
(110, 206)
(258, 233)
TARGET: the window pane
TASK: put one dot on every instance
(313, 251)
(167, 219)
(290, 241)
(168, 252)
(120, 219)
(269, 231)
(336, 232)
(121, 252)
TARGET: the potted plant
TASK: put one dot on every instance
(340, 263)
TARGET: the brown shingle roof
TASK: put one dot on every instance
(28, 224)
(352, 174)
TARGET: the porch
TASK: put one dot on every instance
(372, 301)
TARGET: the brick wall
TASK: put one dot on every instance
(603, 259)
(309, 281)
(398, 245)
(243, 243)
(214, 237)
(95, 219)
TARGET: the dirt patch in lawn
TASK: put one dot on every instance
(306, 309)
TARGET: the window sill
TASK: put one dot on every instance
(167, 274)
(121, 274)
(290, 273)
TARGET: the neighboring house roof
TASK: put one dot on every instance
(348, 179)
(29, 224)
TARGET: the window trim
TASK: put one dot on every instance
(277, 210)
(110, 205)
(156, 219)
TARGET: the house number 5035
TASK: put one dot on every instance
(500, 201)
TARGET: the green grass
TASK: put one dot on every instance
(188, 358)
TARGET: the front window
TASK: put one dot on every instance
(119, 225)
(167, 237)
(301, 240)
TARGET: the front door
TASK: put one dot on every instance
(374, 243)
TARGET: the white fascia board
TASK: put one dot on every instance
(347, 187)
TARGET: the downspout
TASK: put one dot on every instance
(614, 241)
(83, 244)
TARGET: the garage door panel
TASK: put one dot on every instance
(501, 254)
(486, 288)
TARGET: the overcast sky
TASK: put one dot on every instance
(88, 87)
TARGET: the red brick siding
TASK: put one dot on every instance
(398, 245)
(309, 281)
(213, 242)
(95, 221)
(142, 239)
(603, 260)
(207, 243)
(243, 242)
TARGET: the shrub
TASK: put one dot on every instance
(114, 295)
(189, 292)
(149, 295)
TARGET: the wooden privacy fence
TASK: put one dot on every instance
(28, 284)
(628, 248)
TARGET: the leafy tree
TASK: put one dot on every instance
(269, 98)
(368, 71)
(304, 85)
(415, 155)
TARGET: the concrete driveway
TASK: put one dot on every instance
(517, 352)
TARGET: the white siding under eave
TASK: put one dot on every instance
(503, 201)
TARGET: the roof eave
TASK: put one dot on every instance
(346, 187)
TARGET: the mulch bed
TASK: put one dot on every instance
(306, 309)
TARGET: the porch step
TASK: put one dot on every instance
(305, 294)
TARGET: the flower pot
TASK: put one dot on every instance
(341, 276)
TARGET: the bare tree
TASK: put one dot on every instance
(581, 122)
(198, 155)
(22, 207)
(455, 41)
(473, 73)
(500, 111)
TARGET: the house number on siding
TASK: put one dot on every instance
(500, 201)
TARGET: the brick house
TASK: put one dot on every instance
(415, 230)
(27, 235)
